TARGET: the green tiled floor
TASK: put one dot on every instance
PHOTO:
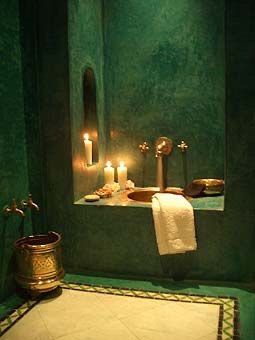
(245, 295)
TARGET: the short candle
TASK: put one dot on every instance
(122, 175)
(108, 173)
(88, 149)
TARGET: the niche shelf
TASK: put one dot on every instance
(90, 112)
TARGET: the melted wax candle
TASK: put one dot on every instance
(122, 175)
(88, 149)
(108, 173)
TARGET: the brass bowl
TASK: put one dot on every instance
(38, 262)
(212, 186)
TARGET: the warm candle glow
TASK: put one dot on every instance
(122, 175)
(86, 136)
(108, 173)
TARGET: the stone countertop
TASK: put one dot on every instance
(120, 199)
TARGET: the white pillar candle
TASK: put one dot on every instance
(108, 173)
(88, 149)
(122, 175)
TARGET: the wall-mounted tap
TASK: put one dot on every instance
(13, 209)
(164, 147)
(29, 204)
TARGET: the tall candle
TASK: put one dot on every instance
(122, 175)
(88, 149)
(108, 173)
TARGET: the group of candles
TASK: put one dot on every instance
(108, 170)
(121, 172)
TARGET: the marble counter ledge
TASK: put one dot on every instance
(120, 199)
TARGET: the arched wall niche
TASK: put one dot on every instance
(90, 110)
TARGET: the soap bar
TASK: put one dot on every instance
(91, 198)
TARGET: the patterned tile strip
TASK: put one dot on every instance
(15, 315)
(228, 316)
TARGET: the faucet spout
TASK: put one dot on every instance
(13, 209)
(164, 147)
(29, 204)
(161, 173)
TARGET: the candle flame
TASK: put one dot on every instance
(122, 164)
(108, 164)
(86, 136)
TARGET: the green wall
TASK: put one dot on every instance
(85, 42)
(165, 76)
(13, 162)
(119, 239)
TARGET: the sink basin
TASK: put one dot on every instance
(146, 195)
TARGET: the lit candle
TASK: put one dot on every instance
(88, 149)
(108, 173)
(122, 175)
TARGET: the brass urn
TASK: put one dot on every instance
(38, 262)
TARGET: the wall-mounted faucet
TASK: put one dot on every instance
(29, 203)
(164, 147)
(13, 209)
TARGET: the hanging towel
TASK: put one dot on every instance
(174, 224)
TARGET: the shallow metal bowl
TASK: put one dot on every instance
(213, 186)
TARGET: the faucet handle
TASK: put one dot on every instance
(144, 148)
(183, 146)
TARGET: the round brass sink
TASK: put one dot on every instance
(146, 195)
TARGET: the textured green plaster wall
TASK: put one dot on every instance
(122, 240)
(239, 218)
(165, 76)
(85, 41)
(13, 160)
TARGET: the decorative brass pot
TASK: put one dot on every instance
(38, 262)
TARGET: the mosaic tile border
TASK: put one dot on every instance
(228, 326)
(16, 314)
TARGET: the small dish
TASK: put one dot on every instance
(213, 186)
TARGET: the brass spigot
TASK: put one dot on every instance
(29, 203)
(164, 147)
(183, 146)
(144, 148)
(13, 209)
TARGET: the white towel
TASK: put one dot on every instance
(174, 224)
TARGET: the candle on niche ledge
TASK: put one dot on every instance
(88, 149)
(108, 173)
(122, 175)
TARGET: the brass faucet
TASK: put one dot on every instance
(164, 147)
(13, 209)
(29, 203)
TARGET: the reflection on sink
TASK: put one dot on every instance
(145, 195)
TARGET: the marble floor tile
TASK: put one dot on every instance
(79, 315)
(30, 327)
